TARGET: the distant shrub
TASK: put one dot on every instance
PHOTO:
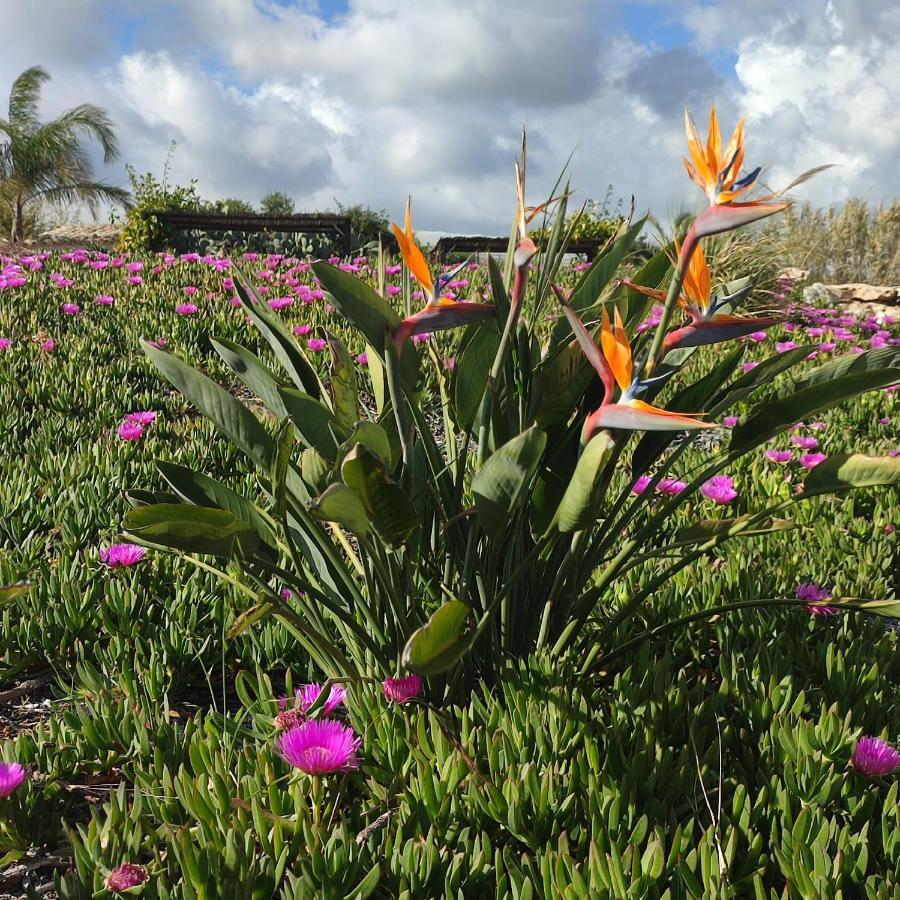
(277, 203)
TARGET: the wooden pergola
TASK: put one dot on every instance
(463, 244)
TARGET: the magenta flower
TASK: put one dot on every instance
(190, 290)
(71, 309)
(277, 303)
(104, 300)
(117, 556)
(804, 443)
(400, 690)
(307, 694)
(749, 366)
(5, 343)
(361, 359)
(159, 343)
(11, 777)
(779, 456)
(393, 290)
(671, 486)
(730, 421)
(784, 346)
(811, 460)
(48, 346)
(301, 330)
(758, 336)
(720, 489)
(641, 484)
(873, 757)
(814, 594)
(450, 363)
(130, 431)
(134, 279)
(316, 344)
(186, 309)
(320, 747)
(126, 876)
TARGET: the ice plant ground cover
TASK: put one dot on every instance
(728, 754)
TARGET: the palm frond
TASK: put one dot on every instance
(24, 97)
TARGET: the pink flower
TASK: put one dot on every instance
(814, 593)
(142, 417)
(130, 431)
(316, 344)
(117, 556)
(71, 309)
(5, 343)
(873, 757)
(361, 359)
(393, 290)
(720, 489)
(48, 346)
(784, 346)
(125, 876)
(134, 267)
(190, 290)
(134, 279)
(749, 366)
(758, 336)
(671, 486)
(804, 443)
(450, 363)
(12, 774)
(320, 747)
(186, 309)
(307, 694)
(730, 421)
(104, 300)
(301, 330)
(780, 456)
(811, 460)
(277, 303)
(818, 426)
(827, 346)
(159, 343)
(400, 690)
(641, 484)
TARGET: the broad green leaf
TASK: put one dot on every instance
(580, 504)
(285, 348)
(710, 529)
(192, 529)
(766, 372)
(314, 421)
(229, 415)
(250, 369)
(344, 389)
(377, 377)
(773, 416)
(439, 643)
(846, 471)
(391, 512)
(560, 384)
(201, 490)
(373, 436)
(358, 303)
(498, 287)
(339, 503)
(10, 592)
(879, 358)
(500, 484)
(314, 469)
(473, 365)
(888, 608)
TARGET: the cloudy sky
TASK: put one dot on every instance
(368, 100)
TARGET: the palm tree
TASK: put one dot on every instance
(47, 161)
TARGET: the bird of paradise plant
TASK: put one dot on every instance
(708, 325)
(440, 312)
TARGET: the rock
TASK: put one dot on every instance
(794, 274)
(866, 293)
(820, 295)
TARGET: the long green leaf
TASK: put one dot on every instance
(192, 529)
(314, 421)
(440, 642)
(847, 471)
(580, 504)
(252, 372)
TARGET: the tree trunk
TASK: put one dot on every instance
(18, 224)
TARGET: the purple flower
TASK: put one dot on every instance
(186, 309)
(190, 290)
(779, 456)
(873, 757)
(104, 300)
(48, 346)
(116, 556)
(130, 431)
(641, 484)
(71, 309)
(300, 330)
(804, 443)
(11, 777)
(316, 344)
(749, 366)
(361, 359)
(393, 290)
(758, 336)
(730, 421)
(814, 593)
(320, 746)
(307, 694)
(277, 303)
(125, 876)
(400, 690)
(811, 460)
(720, 489)
(784, 346)
(450, 364)
(5, 343)
(141, 417)
(671, 486)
